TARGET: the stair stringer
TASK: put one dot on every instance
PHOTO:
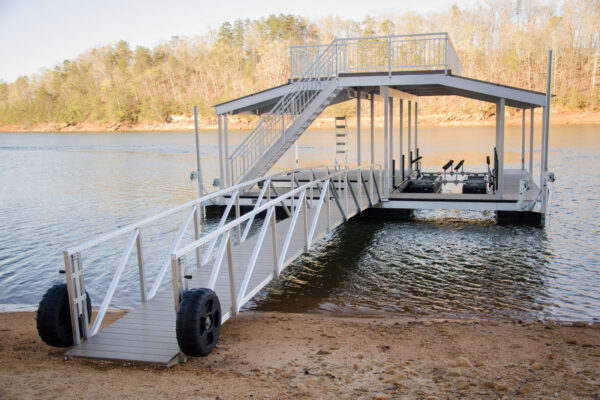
(293, 132)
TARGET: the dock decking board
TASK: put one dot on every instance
(147, 333)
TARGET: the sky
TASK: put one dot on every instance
(38, 34)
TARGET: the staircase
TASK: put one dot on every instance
(290, 117)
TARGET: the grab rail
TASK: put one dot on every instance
(74, 262)
(329, 191)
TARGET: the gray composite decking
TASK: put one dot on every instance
(147, 333)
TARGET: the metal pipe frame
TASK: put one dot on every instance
(328, 191)
(74, 265)
(500, 108)
(531, 130)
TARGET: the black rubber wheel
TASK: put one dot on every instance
(198, 322)
(54, 318)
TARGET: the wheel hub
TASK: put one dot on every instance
(208, 322)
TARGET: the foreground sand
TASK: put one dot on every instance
(287, 356)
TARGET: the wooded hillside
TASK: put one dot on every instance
(500, 41)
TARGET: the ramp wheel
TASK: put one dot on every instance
(198, 322)
(54, 318)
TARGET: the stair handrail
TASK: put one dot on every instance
(275, 123)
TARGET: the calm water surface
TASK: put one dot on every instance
(58, 190)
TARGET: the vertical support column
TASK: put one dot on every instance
(372, 129)
(358, 133)
(500, 105)
(416, 131)
(408, 147)
(386, 150)
(391, 146)
(401, 123)
(523, 141)
(222, 160)
(545, 134)
(198, 165)
(228, 180)
(531, 145)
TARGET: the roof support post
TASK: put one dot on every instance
(416, 135)
(372, 129)
(358, 133)
(545, 134)
(386, 150)
(228, 181)
(500, 106)
(401, 138)
(222, 160)
(391, 145)
(408, 147)
(531, 144)
(416, 131)
(523, 141)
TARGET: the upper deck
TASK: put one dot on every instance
(420, 65)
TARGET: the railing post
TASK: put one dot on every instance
(446, 54)
(327, 200)
(274, 241)
(140, 257)
(390, 56)
(292, 176)
(234, 303)
(346, 191)
(197, 233)
(69, 272)
(175, 279)
(237, 216)
(306, 244)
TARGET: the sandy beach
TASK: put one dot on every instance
(313, 356)
(243, 122)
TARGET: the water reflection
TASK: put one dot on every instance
(466, 266)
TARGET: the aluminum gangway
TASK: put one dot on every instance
(236, 259)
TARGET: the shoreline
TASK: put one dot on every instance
(241, 122)
(304, 356)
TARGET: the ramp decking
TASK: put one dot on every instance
(147, 334)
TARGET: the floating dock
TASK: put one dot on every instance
(251, 246)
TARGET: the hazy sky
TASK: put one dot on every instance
(36, 34)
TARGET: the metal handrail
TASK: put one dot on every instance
(74, 264)
(329, 191)
(446, 59)
(285, 112)
(326, 62)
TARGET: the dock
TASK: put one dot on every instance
(253, 243)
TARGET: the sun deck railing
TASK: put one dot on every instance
(429, 51)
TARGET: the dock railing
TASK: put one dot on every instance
(315, 67)
(336, 187)
(427, 51)
(74, 267)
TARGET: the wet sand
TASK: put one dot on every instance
(290, 356)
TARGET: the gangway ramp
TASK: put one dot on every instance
(238, 265)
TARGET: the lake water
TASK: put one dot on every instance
(58, 190)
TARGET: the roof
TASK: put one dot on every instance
(418, 83)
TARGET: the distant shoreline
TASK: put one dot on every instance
(186, 124)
